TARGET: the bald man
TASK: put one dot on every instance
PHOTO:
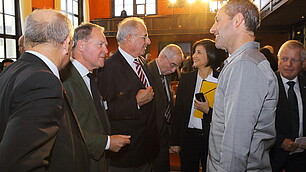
(38, 130)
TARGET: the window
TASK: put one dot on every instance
(8, 29)
(134, 7)
(73, 8)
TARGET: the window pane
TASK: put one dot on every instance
(9, 7)
(63, 5)
(140, 2)
(151, 9)
(75, 7)
(140, 9)
(1, 24)
(11, 48)
(129, 9)
(118, 9)
(75, 22)
(1, 48)
(10, 25)
(69, 6)
(151, 2)
(1, 11)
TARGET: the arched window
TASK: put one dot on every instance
(134, 7)
(9, 29)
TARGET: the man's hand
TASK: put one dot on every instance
(144, 96)
(118, 141)
(175, 149)
(289, 145)
(303, 145)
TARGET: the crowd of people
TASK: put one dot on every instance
(64, 108)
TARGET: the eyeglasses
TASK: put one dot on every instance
(285, 59)
(145, 37)
(172, 65)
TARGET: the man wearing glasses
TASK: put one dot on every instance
(125, 85)
(169, 59)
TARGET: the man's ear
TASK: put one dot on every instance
(67, 45)
(238, 19)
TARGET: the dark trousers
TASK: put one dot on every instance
(162, 161)
(296, 162)
(194, 150)
(144, 168)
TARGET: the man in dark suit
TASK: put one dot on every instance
(290, 122)
(88, 53)
(38, 130)
(169, 59)
(129, 97)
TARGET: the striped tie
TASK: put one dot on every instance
(168, 109)
(140, 73)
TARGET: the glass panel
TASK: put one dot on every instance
(11, 48)
(1, 48)
(151, 9)
(69, 6)
(75, 7)
(70, 17)
(1, 24)
(129, 9)
(140, 9)
(75, 21)
(118, 7)
(10, 25)
(63, 5)
(151, 2)
(140, 1)
(257, 3)
(9, 7)
(1, 10)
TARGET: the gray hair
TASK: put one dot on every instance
(247, 8)
(47, 26)
(83, 31)
(170, 50)
(128, 26)
(294, 44)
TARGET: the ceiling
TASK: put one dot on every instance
(289, 13)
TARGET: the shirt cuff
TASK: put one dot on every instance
(108, 143)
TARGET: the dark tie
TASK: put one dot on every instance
(168, 109)
(140, 73)
(294, 111)
(99, 104)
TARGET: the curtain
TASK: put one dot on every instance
(86, 11)
(57, 5)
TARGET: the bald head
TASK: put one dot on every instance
(169, 59)
(46, 26)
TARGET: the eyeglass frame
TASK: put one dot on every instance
(286, 59)
(172, 64)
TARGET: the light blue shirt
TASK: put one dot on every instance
(243, 121)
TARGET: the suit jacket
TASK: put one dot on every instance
(87, 114)
(283, 123)
(119, 84)
(182, 110)
(159, 94)
(38, 130)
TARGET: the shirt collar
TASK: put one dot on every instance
(130, 59)
(285, 80)
(47, 61)
(242, 48)
(82, 69)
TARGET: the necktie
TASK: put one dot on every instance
(140, 73)
(167, 91)
(294, 111)
(99, 104)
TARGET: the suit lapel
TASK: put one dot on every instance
(302, 82)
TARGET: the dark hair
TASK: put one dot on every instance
(247, 8)
(215, 56)
(5, 61)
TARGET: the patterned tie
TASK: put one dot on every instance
(168, 109)
(97, 98)
(294, 111)
(140, 73)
